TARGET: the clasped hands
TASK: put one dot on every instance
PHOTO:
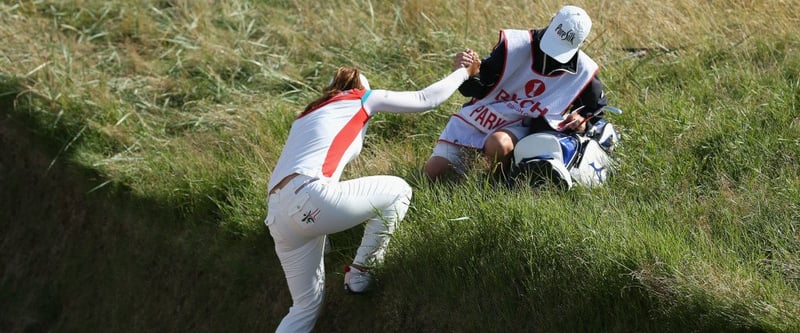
(468, 59)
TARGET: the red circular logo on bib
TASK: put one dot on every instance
(534, 88)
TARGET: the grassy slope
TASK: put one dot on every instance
(183, 106)
(110, 261)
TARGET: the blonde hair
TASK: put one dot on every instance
(346, 78)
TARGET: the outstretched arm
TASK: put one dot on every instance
(425, 99)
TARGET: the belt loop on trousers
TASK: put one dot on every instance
(288, 179)
(285, 181)
(308, 181)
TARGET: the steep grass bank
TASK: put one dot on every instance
(76, 260)
(82, 260)
(167, 116)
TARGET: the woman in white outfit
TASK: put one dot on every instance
(307, 201)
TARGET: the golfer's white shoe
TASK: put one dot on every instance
(357, 281)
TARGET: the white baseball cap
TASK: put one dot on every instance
(566, 33)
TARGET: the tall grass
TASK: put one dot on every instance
(187, 104)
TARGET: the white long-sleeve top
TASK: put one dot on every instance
(324, 139)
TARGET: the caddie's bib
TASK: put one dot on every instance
(521, 92)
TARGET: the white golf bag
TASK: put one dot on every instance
(566, 159)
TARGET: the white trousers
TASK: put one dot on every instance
(303, 212)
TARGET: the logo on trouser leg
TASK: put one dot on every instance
(311, 216)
